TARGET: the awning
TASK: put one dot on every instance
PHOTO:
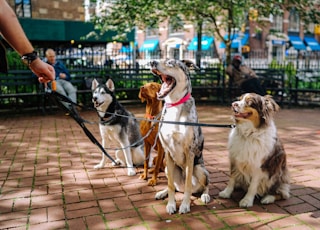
(235, 41)
(149, 45)
(312, 43)
(126, 49)
(297, 43)
(63, 31)
(205, 43)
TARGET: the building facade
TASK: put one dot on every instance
(61, 23)
(54, 9)
(64, 25)
(278, 38)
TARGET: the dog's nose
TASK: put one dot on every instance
(153, 63)
(94, 98)
(235, 104)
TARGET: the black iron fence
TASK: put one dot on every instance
(19, 89)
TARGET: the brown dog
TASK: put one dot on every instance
(148, 93)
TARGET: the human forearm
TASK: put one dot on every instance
(14, 33)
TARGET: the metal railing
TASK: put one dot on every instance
(210, 85)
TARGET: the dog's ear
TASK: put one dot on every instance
(190, 65)
(110, 85)
(271, 104)
(94, 84)
(140, 96)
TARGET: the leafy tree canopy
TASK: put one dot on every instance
(218, 16)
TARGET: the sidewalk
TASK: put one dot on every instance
(48, 182)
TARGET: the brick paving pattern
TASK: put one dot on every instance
(48, 182)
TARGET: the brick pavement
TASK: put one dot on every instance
(48, 181)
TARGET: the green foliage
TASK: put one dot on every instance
(14, 60)
(227, 16)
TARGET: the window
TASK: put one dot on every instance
(176, 26)
(310, 28)
(294, 21)
(277, 21)
(23, 8)
(152, 32)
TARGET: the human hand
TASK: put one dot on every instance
(62, 75)
(44, 71)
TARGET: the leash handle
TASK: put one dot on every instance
(54, 85)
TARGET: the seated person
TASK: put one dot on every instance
(63, 78)
(244, 77)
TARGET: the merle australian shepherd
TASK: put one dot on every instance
(257, 157)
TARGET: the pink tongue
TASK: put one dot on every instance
(243, 115)
(164, 89)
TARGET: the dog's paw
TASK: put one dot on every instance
(99, 166)
(116, 162)
(184, 207)
(143, 176)
(205, 198)
(285, 195)
(171, 208)
(225, 194)
(131, 172)
(246, 202)
(161, 194)
(152, 182)
(268, 199)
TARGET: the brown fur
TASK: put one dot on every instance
(148, 93)
(257, 157)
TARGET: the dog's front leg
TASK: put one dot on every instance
(147, 148)
(185, 205)
(171, 206)
(103, 158)
(127, 157)
(247, 200)
(226, 193)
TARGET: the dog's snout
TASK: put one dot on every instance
(94, 98)
(153, 63)
(235, 104)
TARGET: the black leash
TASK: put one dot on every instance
(74, 114)
(183, 123)
(66, 99)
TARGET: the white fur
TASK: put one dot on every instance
(180, 142)
(127, 156)
(249, 146)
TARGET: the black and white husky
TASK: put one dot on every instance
(117, 126)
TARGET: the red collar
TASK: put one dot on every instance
(182, 100)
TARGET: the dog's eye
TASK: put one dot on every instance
(170, 63)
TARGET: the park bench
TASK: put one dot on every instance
(305, 87)
(272, 79)
(81, 79)
(208, 85)
(274, 82)
(19, 89)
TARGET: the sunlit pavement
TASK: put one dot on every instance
(48, 180)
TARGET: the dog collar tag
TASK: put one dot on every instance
(182, 100)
